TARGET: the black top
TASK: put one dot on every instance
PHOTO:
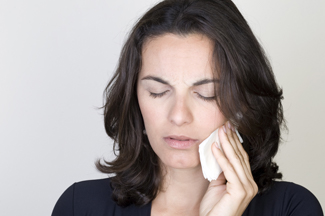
(93, 198)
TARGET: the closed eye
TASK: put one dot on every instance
(209, 99)
(158, 95)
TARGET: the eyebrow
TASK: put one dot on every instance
(197, 83)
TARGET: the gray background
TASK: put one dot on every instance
(56, 58)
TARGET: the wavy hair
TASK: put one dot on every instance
(248, 95)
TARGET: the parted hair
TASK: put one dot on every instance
(247, 95)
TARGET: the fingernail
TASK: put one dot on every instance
(216, 144)
(224, 129)
(229, 125)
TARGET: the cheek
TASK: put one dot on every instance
(152, 117)
(210, 118)
(150, 111)
(149, 115)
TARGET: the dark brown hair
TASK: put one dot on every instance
(247, 95)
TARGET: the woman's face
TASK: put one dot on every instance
(176, 96)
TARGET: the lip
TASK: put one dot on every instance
(180, 142)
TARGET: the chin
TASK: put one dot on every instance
(177, 161)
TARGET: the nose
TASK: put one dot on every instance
(180, 112)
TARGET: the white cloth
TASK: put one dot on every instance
(210, 168)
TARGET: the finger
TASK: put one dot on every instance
(236, 191)
(243, 156)
(230, 147)
(244, 174)
(236, 160)
(233, 139)
(238, 148)
(229, 172)
(248, 171)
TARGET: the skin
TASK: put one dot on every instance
(175, 91)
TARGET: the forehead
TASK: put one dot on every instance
(175, 56)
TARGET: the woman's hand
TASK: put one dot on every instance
(231, 193)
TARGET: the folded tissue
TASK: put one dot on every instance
(210, 168)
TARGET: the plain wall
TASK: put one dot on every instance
(56, 58)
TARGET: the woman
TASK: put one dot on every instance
(188, 68)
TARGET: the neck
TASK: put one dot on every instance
(181, 192)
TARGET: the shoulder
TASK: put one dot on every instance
(285, 198)
(92, 191)
(92, 197)
(83, 195)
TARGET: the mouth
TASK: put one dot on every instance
(180, 142)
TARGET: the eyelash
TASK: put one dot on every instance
(159, 95)
(208, 99)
